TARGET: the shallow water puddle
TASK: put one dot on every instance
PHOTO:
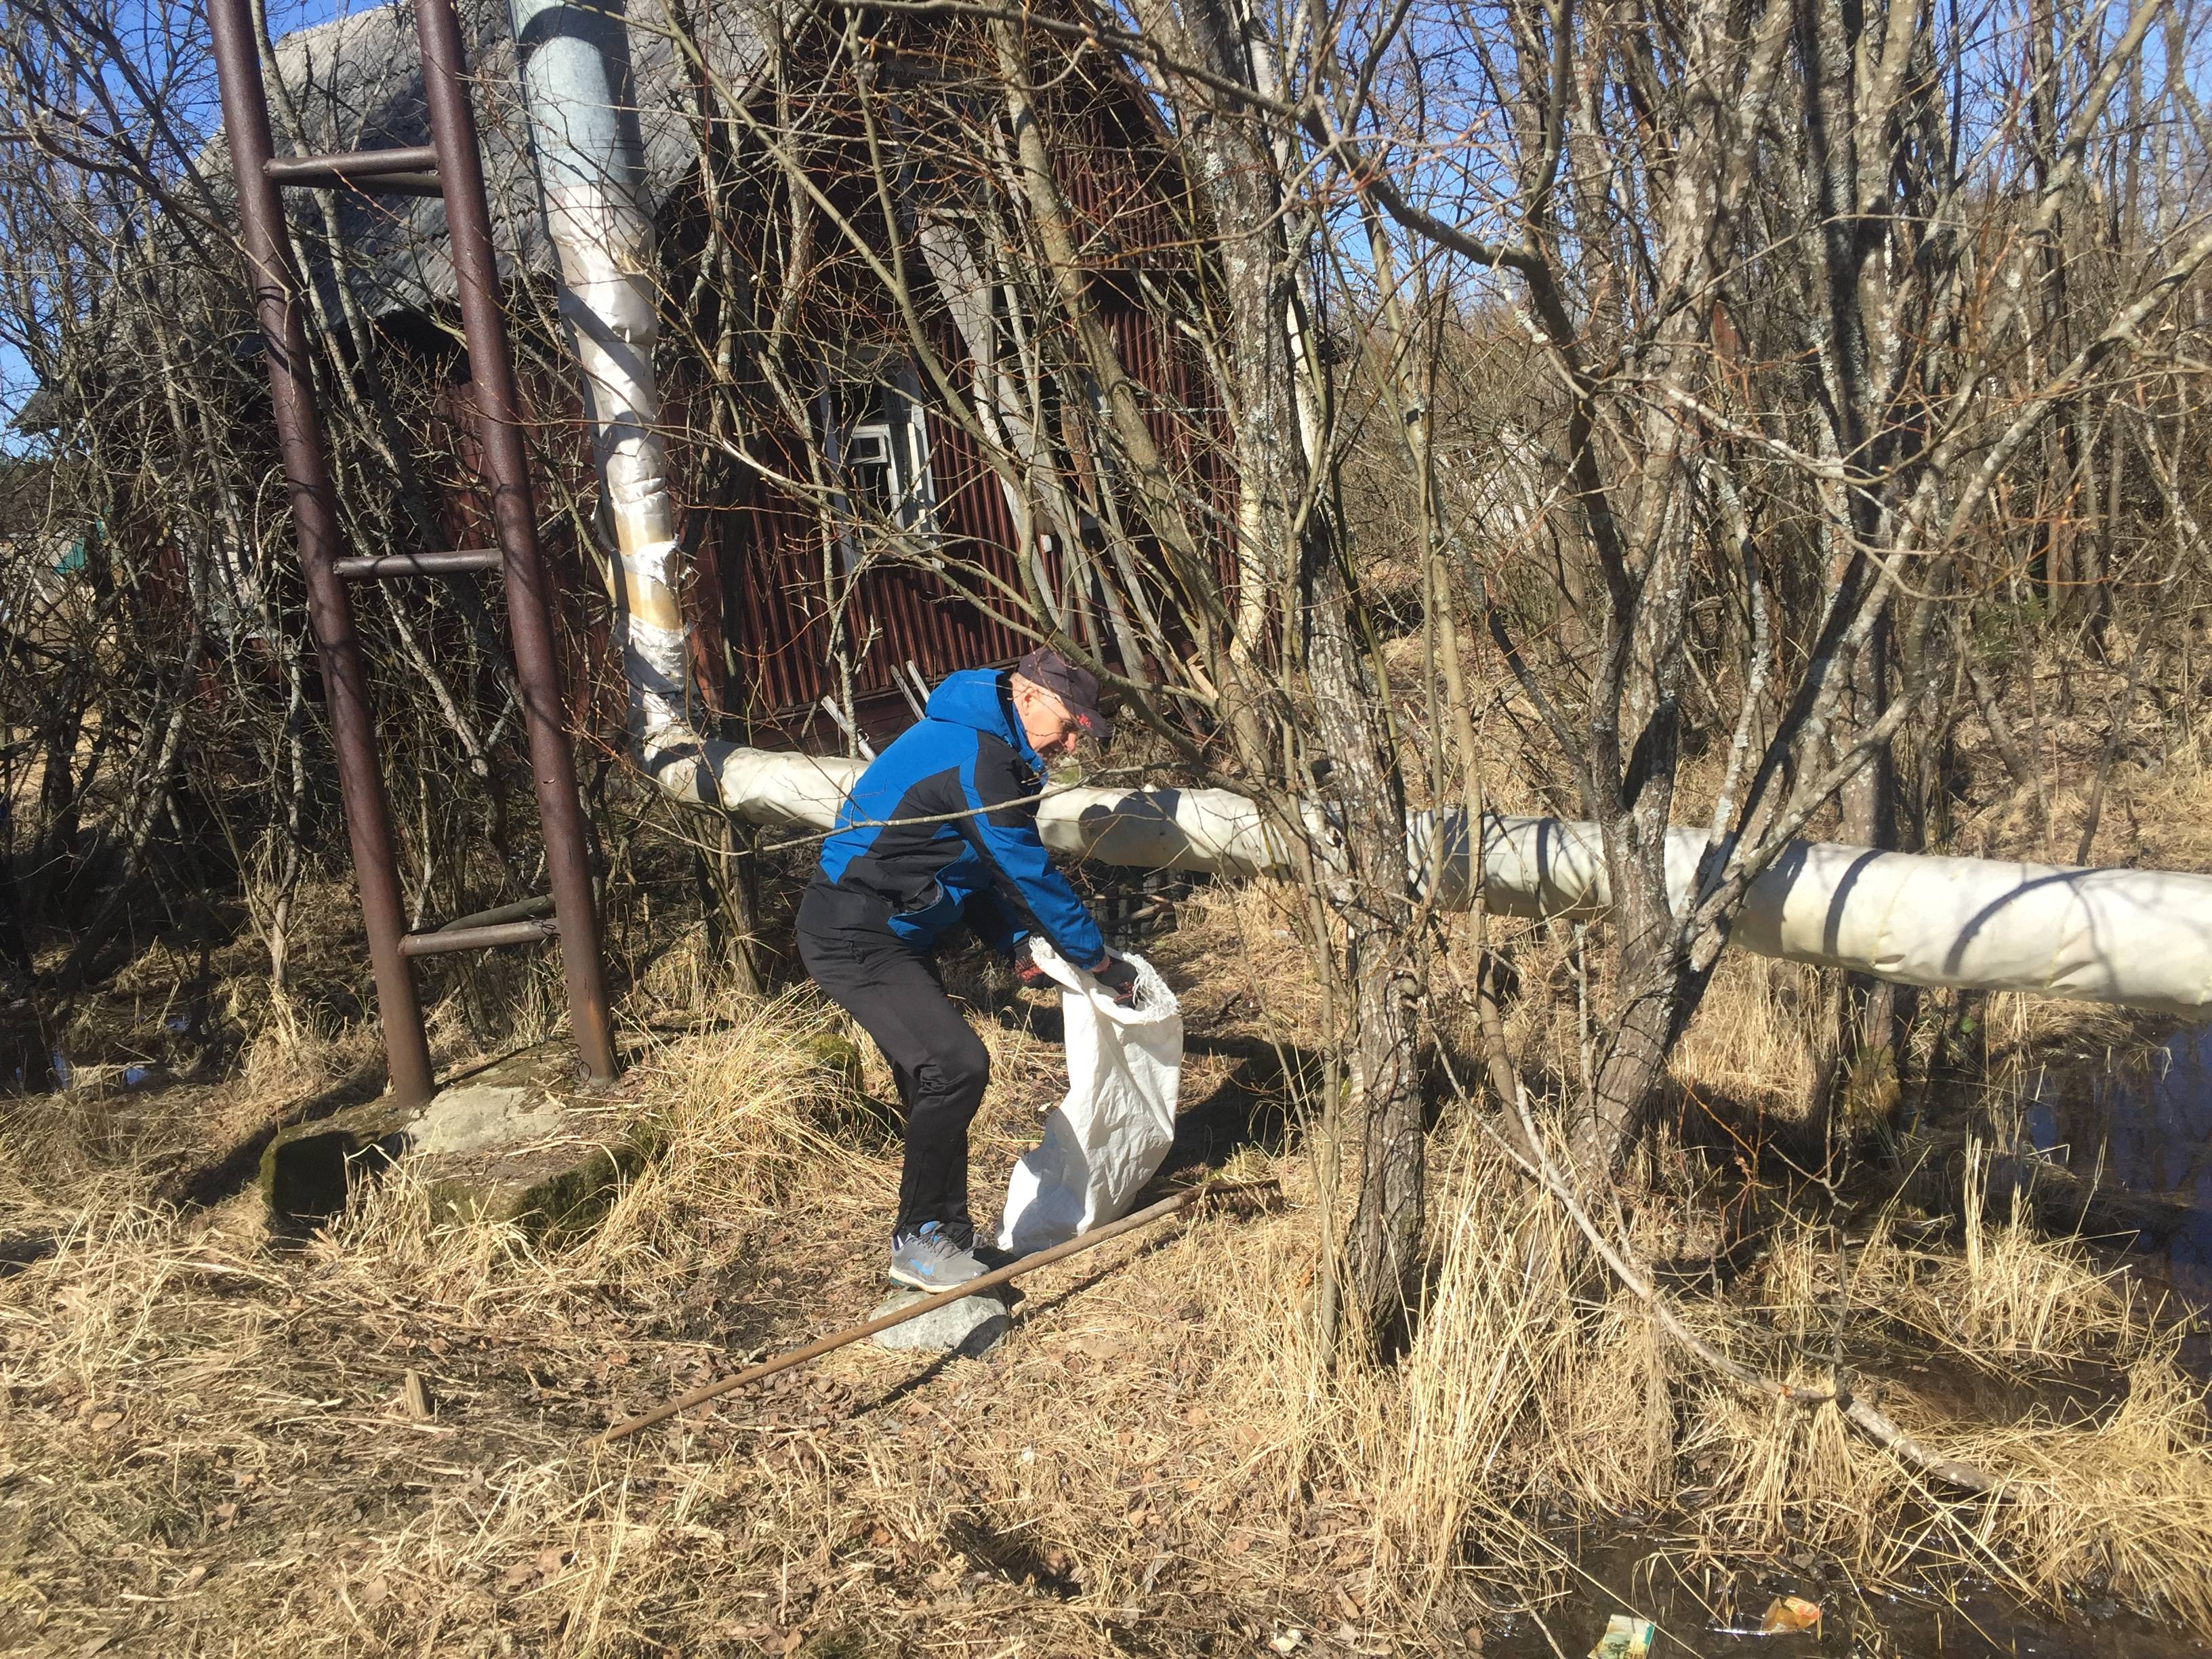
(1712, 1613)
(2133, 1121)
(2140, 1120)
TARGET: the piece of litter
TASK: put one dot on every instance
(1625, 1637)
(1288, 1640)
(1785, 1614)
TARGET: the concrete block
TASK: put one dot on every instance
(513, 1142)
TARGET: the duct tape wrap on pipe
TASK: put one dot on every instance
(1196, 829)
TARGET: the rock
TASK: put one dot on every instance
(971, 1327)
(512, 1142)
(307, 1167)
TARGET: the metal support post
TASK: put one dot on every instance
(507, 469)
(278, 306)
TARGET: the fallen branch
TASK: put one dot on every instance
(1097, 1236)
(1874, 1423)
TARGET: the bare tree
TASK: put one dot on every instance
(1707, 386)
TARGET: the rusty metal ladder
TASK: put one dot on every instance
(450, 166)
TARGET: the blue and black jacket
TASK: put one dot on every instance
(967, 770)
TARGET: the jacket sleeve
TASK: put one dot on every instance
(1002, 827)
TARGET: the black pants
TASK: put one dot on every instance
(941, 1065)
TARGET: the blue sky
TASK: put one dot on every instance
(16, 381)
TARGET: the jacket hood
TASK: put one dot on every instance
(979, 698)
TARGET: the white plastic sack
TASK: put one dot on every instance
(1107, 1138)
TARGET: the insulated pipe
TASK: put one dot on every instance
(578, 88)
(579, 92)
(2141, 938)
(1214, 831)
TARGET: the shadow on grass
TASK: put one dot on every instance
(213, 1180)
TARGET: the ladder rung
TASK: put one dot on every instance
(351, 165)
(418, 564)
(478, 938)
(398, 184)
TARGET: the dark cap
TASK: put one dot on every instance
(1071, 685)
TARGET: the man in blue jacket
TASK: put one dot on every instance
(942, 828)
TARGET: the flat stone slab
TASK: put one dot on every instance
(971, 1327)
(515, 1141)
(477, 1115)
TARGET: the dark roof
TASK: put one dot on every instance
(357, 81)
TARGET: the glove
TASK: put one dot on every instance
(1119, 978)
(1028, 972)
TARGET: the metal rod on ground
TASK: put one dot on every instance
(1097, 1236)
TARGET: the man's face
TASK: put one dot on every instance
(1052, 731)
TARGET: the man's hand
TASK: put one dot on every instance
(1030, 972)
(1119, 978)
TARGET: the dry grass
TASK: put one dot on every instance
(1749, 1043)
(203, 1444)
(202, 1451)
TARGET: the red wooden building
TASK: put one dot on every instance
(846, 534)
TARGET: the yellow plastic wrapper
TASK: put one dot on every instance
(1785, 1614)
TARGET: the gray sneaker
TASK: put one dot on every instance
(929, 1260)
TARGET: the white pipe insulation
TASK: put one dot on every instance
(2142, 938)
